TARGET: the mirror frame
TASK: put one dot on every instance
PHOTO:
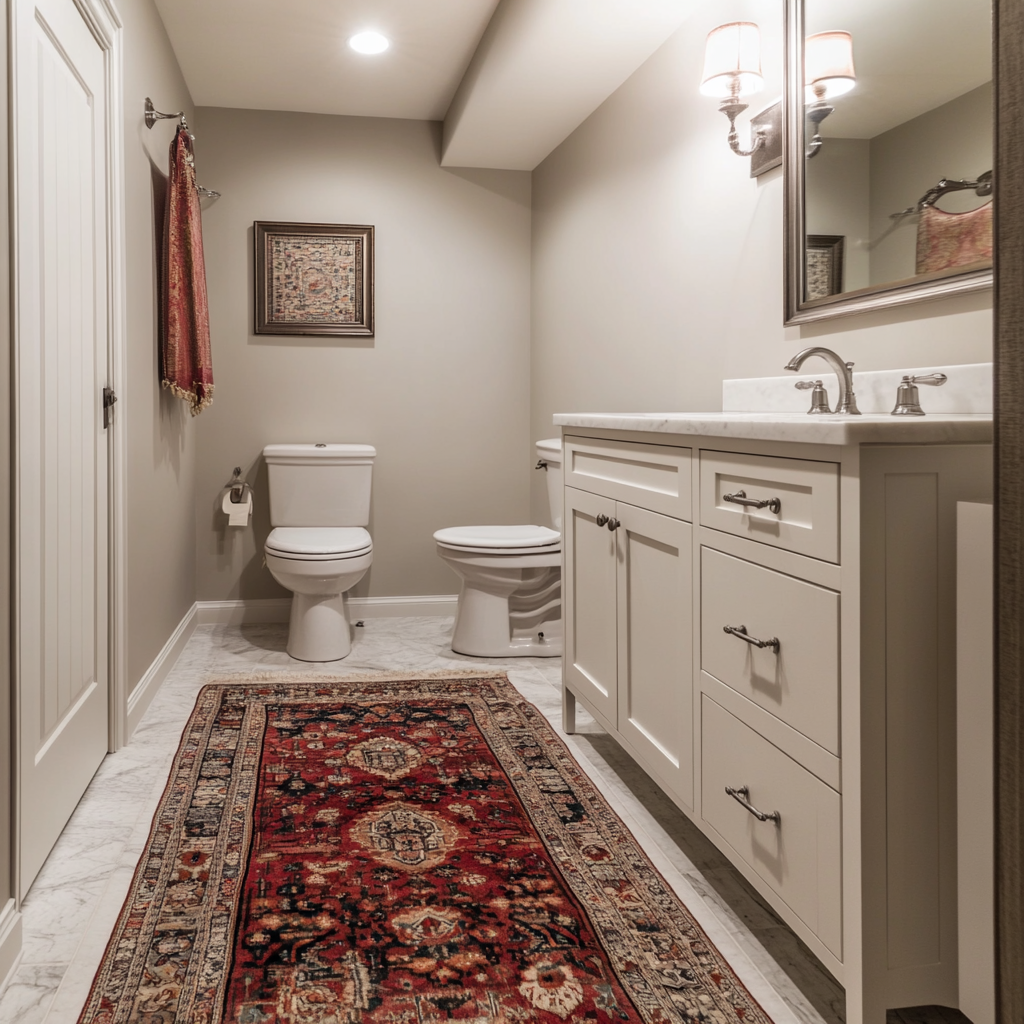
(864, 300)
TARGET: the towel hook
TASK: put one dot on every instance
(153, 115)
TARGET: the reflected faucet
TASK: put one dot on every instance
(847, 403)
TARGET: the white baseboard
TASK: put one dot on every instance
(388, 607)
(10, 943)
(142, 695)
(278, 609)
(234, 613)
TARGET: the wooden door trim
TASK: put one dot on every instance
(105, 23)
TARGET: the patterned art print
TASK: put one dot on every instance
(315, 279)
(397, 852)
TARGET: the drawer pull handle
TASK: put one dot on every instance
(740, 498)
(601, 519)
(742, 797)
(741, 632)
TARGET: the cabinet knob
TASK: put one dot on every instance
(601, 519)
(613, 524)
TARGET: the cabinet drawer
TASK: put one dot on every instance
(652, 476)
(799, 684)
(807, 520)
(799, 858)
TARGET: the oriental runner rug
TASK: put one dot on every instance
(396, 851)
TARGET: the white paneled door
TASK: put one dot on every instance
(62, 329)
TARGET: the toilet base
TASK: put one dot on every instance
(319, 629)
(515, 613)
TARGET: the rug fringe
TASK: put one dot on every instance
(233, 679)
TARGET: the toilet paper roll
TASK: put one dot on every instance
(238, 515)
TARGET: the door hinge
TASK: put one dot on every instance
(109, 398)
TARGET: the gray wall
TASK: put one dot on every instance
(161, 438)
(837, 202)
(442, 390)
(657, 261)
(952, 141)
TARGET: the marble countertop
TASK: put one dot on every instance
(871, 428)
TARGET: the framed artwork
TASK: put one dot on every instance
(314, 278)
(824, 266)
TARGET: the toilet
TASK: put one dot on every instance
(318, 547)
(510, 604)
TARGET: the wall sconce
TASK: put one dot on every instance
(732, 68)
(828, 72)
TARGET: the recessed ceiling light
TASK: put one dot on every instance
(368, 42)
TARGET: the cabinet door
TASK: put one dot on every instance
(655, 633)
(589, 554)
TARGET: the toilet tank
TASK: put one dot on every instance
(550, 451)
(319, 484)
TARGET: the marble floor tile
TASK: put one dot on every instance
(73, 905)
(29, 995)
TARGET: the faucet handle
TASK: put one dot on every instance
(819, 396)
(907, 402)
(931, 379)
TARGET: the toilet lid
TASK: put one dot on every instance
(498, 537)
(315, 542)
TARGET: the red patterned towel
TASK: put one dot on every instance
(948, 240)
(186, 360)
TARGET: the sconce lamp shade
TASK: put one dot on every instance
(732, 60)
(828, 65)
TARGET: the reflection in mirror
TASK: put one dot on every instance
(897, 193)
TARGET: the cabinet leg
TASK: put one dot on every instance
(568, 711)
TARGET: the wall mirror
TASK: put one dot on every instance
(888, 158)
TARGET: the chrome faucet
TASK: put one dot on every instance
(847, 403)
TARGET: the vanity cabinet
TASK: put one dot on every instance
(628, 569)
(769, 629)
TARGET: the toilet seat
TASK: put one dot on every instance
(511, 540)
(318, 543)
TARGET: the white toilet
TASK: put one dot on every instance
(319, 547)
(511, 599)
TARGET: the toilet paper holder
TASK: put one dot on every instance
(240, 490)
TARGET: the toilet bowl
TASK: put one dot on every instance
(510, 603)
(319, 547)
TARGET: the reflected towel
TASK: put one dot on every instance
(948, 240)
(186, 363)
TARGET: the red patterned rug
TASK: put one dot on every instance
(393, 851)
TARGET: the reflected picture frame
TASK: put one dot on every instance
(313, 279)
(824, 270)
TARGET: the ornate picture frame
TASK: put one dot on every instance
(313, 279)
(824, 265)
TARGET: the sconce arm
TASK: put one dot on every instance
(817, 113)
(732, 110)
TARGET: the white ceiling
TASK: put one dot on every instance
(294, 55)
(512, 78)
(543, 67)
